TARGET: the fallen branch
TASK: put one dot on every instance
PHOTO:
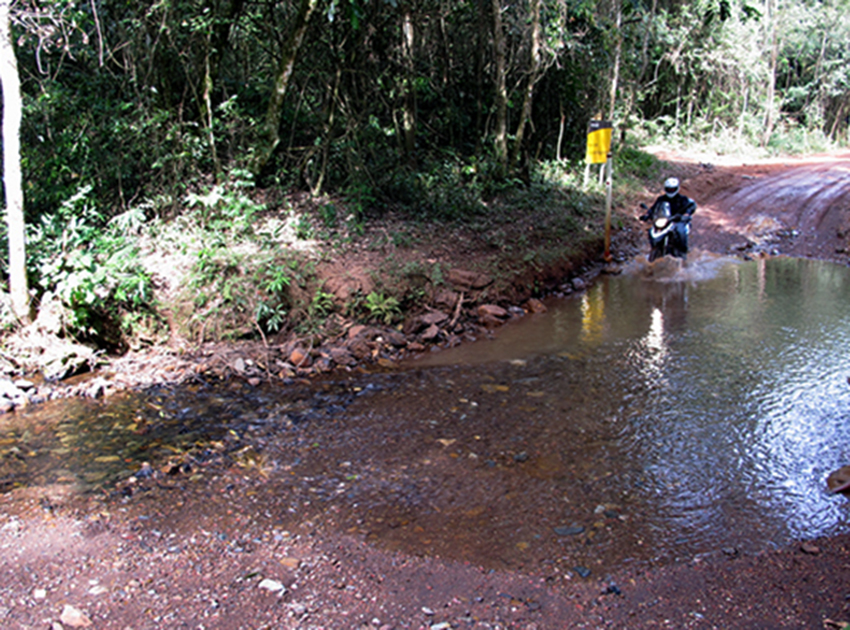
(456, 315)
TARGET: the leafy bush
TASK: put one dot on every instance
(382, 307)
(637, 163)
(93, 268)
(227, 207)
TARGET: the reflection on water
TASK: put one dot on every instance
(728, 383)
(670, 410)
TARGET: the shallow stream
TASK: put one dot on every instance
(667, 412)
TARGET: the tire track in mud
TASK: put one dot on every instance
(799, 208)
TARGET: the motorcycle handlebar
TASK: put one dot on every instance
(676, 218)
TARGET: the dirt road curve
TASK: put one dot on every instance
(206, 550)
(793, 207)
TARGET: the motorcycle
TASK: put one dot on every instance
(663, 240)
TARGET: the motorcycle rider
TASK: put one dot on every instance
(680, 206)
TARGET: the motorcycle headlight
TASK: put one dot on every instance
(661, 223)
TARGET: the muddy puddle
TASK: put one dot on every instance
(668, 412)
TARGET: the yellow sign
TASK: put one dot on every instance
(598, 141)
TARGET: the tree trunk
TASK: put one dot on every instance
(221, 33)
(533, 68)
(409, 113)
(215, 45)
(207, 109)
(501, 140)
(12, 113)
(638, 83)
(771, 78)
(483, 38)
(618, 48)
(742, 121)
(271, 132)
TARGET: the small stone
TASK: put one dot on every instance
(569, 530)
(74, 617)
(272, 585)
(810, 548)
(8, 389)
(39, 593)
(492, 310)
(431, 333)
(396, 338)
(341, 356)
(290, 563)
(466, 280)
(578, 284)
(582, 571)
(433, 317)
(536, 306)
(299, 358)
(427, 611)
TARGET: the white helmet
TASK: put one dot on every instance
(671, 187)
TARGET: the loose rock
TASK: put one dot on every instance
(74, 617)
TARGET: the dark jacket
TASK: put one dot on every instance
(679, 205)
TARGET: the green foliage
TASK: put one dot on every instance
(638, 163)
(328, 213)
(304, 228)
(270, 316)
(227, 208)
(242, 290)
(322, 304)
(277, 278)
(451, 189)
(92, 267)
(382, 307)
(142, 129)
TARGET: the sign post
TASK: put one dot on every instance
(599, 152)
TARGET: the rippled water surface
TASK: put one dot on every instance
(727, 383)
(667, 412)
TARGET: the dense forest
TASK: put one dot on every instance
(142, 111)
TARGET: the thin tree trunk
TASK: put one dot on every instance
(560, 134)
(771, 79)
(221, 33)
(328, 131)
(501, 139)
(271, 131)
(216, 43)
(409, 113)
(12, 113)
(839, 115)
(743, 118)
(533, 68)
(207, 108)
(618, 49)
(483, 39)
(638, 83)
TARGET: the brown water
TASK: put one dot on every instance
(666, 413)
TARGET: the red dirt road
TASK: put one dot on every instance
(182, 554)
(794, 207)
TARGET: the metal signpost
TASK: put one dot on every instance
(599, 152)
